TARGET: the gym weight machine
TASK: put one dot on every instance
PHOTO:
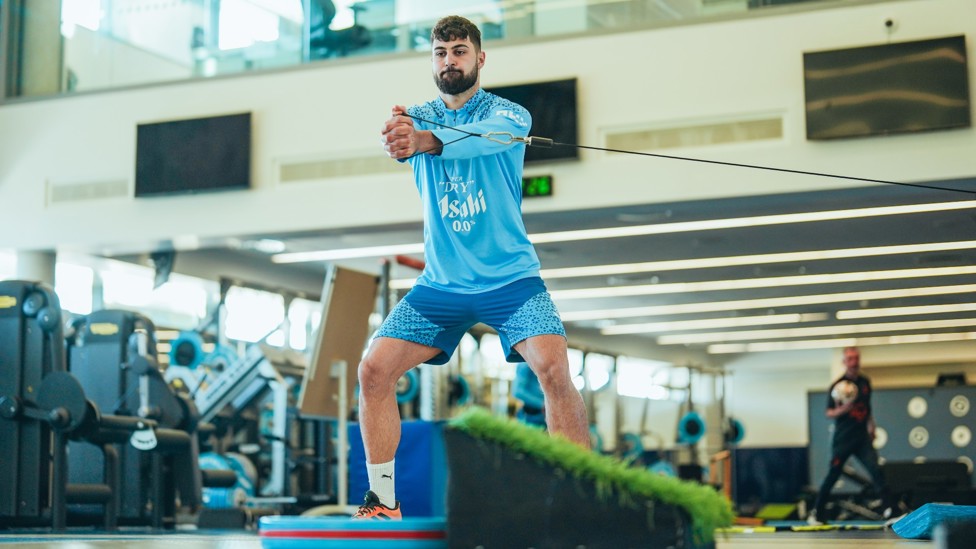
(43, 406)
(113, 355)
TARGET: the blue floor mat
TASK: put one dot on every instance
(920, 523)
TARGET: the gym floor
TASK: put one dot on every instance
(817, 540)
(249, 540)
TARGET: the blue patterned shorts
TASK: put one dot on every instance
(436, 318)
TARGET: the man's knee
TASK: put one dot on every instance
(551, 371)
(375, 378)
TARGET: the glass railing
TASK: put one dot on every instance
(84, 45)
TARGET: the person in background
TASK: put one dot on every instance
(849, 405)
(526, 388)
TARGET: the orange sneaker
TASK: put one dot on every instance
(373, 509)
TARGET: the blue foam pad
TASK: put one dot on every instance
(920, 523)
(347, 533)
(421, 468)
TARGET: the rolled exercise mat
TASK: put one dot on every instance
(281, 532)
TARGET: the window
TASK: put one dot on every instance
(242, 24)
(469, 356)
(598, 369)
(304, 319)
(180, 303)
(493, 361)
(73, 284)
(642, 378)
(253, 315)
(80, 13)
(576, 368)
(345, 16)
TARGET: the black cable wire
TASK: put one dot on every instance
(549, 143)
(445, 126)
(769, 168)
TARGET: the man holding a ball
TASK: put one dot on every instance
(849, 405)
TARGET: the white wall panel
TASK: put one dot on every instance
(674, 75)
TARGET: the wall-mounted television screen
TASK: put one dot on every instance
(891, 88)
(193, 155)
(553, 108)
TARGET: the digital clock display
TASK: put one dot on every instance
(540, 185)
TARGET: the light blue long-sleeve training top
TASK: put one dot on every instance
(474, 237)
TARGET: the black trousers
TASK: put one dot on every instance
(865, 453)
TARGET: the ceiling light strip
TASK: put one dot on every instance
(763, 303)
(741, 222)
(762, 346)
(906, 311)
(643, 230)
(707, 323)
(348, 253)
(732, 261)
(746, 335)
(768, 282)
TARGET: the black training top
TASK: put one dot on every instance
(851, 427)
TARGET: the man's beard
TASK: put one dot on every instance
(455, 82)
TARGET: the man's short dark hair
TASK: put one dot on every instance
(455, 27)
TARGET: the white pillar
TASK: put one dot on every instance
(37, 266)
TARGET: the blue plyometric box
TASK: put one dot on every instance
(421, 468)
(342, 533)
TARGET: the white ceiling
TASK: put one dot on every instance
(906, 281)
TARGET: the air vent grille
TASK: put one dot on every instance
(58, 193)
(294, 171)
(697, 135)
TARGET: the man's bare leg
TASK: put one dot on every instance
(379, 416)
(565, 411)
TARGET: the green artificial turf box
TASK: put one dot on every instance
(511, 485)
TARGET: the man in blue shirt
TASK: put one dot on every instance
(480, 264)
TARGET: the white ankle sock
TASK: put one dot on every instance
(381, 482)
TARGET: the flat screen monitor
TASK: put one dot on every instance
(887, 89)
(193, 155)
(552, 105)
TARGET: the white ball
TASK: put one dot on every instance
(844, 391)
